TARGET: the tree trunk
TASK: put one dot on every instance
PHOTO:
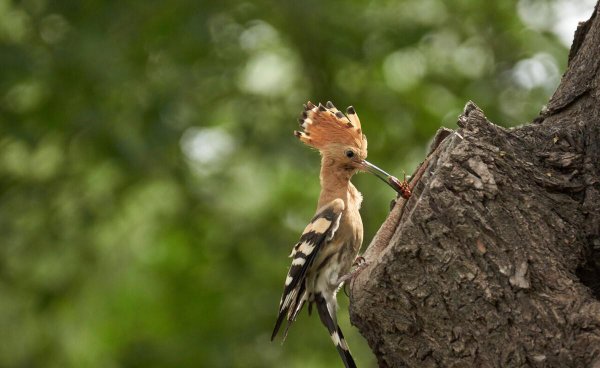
(494, 261)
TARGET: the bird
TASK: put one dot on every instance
(323, 257)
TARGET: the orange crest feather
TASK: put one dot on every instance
(325, 125)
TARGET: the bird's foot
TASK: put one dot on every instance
(360, 261)
(359, 264)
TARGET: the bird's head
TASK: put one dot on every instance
(338, 137)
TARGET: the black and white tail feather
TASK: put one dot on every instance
(327, 314)
(300, 285)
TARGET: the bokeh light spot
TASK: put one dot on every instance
(403, 69)
(206, 148)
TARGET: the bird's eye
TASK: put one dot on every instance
(349, 154)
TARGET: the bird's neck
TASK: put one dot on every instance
(335, 183)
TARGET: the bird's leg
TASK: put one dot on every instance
(359, 264)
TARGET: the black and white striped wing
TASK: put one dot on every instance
(319, 231)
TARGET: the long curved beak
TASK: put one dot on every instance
(387, 178)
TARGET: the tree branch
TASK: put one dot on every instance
(495, 259)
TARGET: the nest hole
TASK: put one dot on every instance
(589, 274)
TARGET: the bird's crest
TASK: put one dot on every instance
(325, 125)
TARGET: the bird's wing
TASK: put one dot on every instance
(319, 231)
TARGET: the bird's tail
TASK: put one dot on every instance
(327, 315)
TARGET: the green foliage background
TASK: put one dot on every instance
(150, 186)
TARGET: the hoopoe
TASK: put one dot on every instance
(322, 259)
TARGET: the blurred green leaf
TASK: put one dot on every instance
(151, 188)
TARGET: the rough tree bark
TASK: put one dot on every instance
(495, 259)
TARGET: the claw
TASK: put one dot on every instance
(360, 264)
(360, 261)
